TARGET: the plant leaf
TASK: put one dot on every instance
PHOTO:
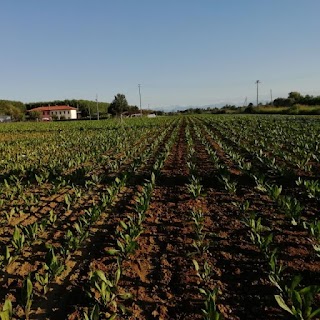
(282, 303)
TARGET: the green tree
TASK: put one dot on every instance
(118, 105)
(34, 115)
(296, 96)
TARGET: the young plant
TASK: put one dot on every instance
(10, 214)
(7, 258)
(93, 315)
(262, 241)
(230, 186)
(26, 295)
(68, 200)
(105, 291)
(52, 264)
(276, 269)
(52, 217)
(18, 239)
(201, 244)
(300, 300)
(6, 313)
(43, 280)
(30, 231)
(292, 208)
(204, 273)
(210, 311)
(198, 219)
(274, 191)
(194, 187)
(261, 184)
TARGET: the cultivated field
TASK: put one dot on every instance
(190, 217)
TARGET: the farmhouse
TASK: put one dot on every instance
(55, 112)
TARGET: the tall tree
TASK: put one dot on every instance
(118, 105)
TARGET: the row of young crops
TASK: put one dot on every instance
(203, 217)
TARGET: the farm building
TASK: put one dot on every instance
(48, 113)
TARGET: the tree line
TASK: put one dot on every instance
(294, 98)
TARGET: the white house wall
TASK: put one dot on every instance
(67, 114)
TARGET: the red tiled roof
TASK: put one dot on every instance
(52, 108)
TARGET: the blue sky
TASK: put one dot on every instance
(182, 52)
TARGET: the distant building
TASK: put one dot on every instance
(151, 115)
(5, 118)
(55, 112)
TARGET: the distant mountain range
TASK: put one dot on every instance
(176, 108)
(182, 108)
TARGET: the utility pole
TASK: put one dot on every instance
(139, 85)
(271, 96)
(97, 107)
(257, 82)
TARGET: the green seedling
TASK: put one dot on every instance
(10, 214)
(198, 219)
(43, 224)
(263, 242)
(312, 187)
(26, 295)
(230, 186)
(142, 203)
(6, 313)
(314, 228)
(261, 184)
(7, 258)
(292, 208)
(204, 273)
(73, 242)
(52, 217)
(274, 191)
(105, 291)
(18, 239)
(52, 264)
(210, 311)
(299, 302)
(244, 206)
(276, 269)
(254, 223)
(92, 214)
(192, 167)
(43, 280)
(67, 200)
(201, 244)
(93, 315)
(194, 187)
(30, 231)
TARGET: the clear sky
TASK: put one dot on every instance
(182, 52)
